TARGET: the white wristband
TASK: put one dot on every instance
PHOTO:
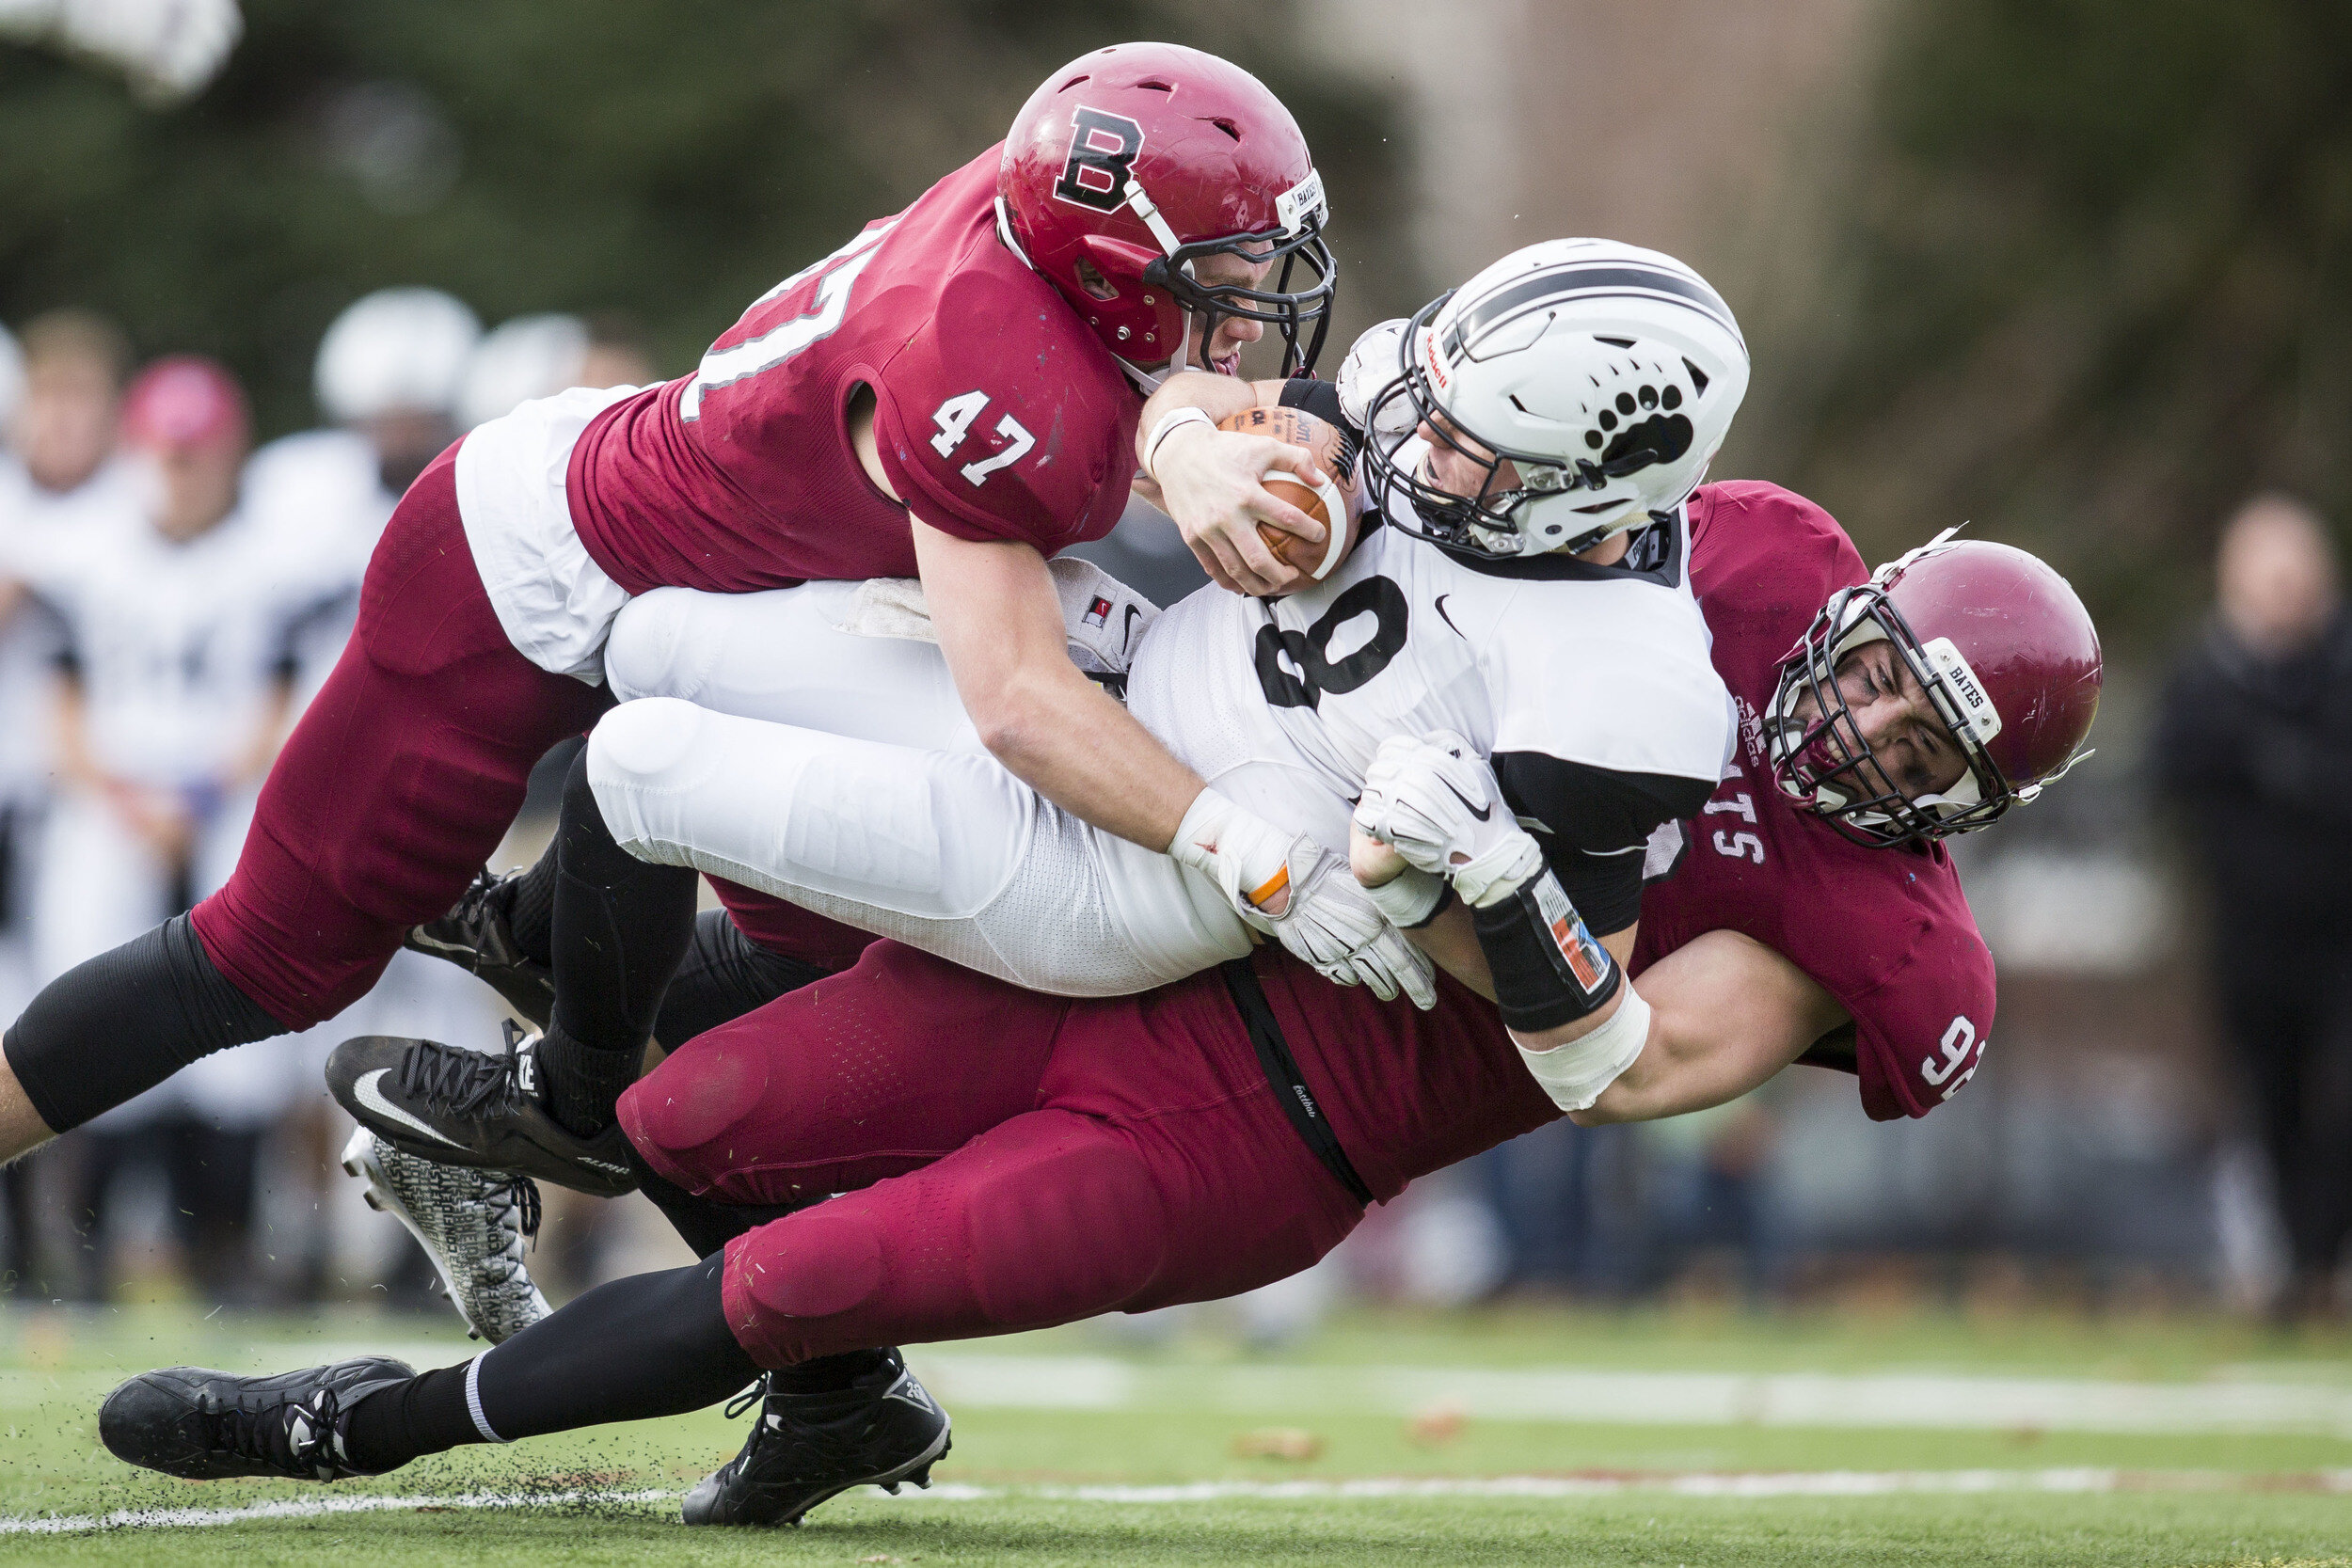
(1409, 898)
(1575, 1074)
(1174, 420)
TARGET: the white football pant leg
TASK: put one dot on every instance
(781, 655)
(944, 850)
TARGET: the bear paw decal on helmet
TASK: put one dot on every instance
(1662, 435)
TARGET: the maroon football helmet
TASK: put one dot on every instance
(2006, 652)
(1142, 158)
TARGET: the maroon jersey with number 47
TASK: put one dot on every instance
(1884, 932)
(997, 416)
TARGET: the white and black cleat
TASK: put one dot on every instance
(473, 1224)
(883, 1431)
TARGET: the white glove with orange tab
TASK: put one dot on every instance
(1328, 918)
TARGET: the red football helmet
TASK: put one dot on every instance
(2004, 650)
(1138, 160)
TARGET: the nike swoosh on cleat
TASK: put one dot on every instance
(1482, 813)
(416, 934)
(1127, 632)
(367, 1093)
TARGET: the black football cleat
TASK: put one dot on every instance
(806, 1448)
(473, 1109)
(202, 1425)
(476, 937)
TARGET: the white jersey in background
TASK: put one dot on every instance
(39, 532)
(320, 497)
(180, 648)
(37, 525)
(805, 766)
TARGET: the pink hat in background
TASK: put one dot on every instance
(183, 403)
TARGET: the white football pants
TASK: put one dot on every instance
(760, 740)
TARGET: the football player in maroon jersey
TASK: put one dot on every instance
(952, 394)
(1128, 1154)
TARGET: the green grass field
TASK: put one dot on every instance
(1505, 1437)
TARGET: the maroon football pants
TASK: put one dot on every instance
(400, 779)
(1009, 1160)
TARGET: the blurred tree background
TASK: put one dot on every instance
(2098, 288)
(666, 162)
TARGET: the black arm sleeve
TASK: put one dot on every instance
(1598, 823)
(1317, 397)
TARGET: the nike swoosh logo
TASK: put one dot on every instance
(1448, 619)
(416, 934)
(1482, 813)
(368, 1094)
(1127, 632)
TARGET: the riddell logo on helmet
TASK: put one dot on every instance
(1103, 148)
(1436, 365)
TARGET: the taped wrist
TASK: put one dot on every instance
(1548, 968)
(1575, 1075)
(1412, 899)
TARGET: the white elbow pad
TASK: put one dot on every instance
(1575, 1074)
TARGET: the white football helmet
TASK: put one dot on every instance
(1606, 374)
(529, 356)
(396, 350)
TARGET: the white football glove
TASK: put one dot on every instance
(1329, 921)
(1435, 801)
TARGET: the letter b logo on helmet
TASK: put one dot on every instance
(1101, 148)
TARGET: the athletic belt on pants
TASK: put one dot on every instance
(1289, 1084)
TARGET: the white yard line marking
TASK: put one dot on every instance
(1563, 1394)
(1736, 1485)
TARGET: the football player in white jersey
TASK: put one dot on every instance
(59, 483)
(1526, 589)
(1515, 608)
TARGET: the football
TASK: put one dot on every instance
(1337, 503)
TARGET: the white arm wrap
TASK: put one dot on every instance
(1575, 1074)
(1170, 422)
(1409, 898)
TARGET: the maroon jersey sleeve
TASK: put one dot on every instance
(1887, 932)
(1920, 1032)
(1005, 431)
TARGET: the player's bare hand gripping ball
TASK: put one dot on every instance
(1213, 483)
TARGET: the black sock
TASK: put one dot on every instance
(654, 1344)
(123, 1021)
(828, 1374)
(724, 976)
(621, 926)
(583, 1087)
(426, 1415)
(529, 901)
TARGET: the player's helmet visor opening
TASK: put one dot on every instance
(1825, 762)
(1289, 311)
(1470, 523)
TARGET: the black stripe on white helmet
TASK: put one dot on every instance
(1587, 384)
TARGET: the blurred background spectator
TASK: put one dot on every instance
(2254, 746)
